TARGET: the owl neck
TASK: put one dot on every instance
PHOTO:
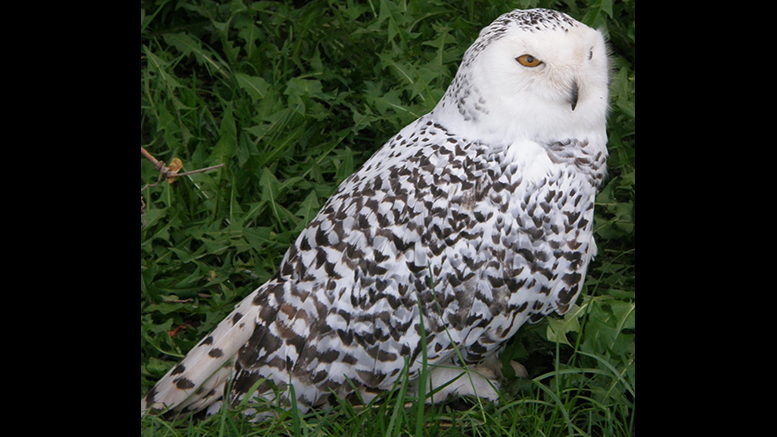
(463, 111)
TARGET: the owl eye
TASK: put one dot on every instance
(529, 61)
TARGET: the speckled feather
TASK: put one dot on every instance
(463, 217)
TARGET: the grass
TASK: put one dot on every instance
(293, 97)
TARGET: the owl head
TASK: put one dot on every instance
(535, 74)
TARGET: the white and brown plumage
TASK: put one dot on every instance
(477, 217)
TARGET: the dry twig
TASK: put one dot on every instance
(165, 172)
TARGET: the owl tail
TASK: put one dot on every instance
(198, 381)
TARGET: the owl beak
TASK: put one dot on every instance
(575, 95)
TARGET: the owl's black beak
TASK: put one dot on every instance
(575, 95)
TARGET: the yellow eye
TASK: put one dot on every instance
(529, 61)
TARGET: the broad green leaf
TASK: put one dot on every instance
(559, 328)
(225, 148)
(309, 207)
(161, 67)
(256, 87)
(188, 45)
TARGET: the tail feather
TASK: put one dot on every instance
(210, 392)
(198, 380)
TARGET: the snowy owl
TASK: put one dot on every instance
(471, 221)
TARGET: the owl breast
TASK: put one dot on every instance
(518, 247)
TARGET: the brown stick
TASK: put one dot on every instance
(166, 173)
(149, 156)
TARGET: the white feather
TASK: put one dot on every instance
(200, 365)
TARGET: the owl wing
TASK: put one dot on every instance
(348, 310)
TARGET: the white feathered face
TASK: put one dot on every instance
(552, 81)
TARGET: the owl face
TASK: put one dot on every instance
(549, 80)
